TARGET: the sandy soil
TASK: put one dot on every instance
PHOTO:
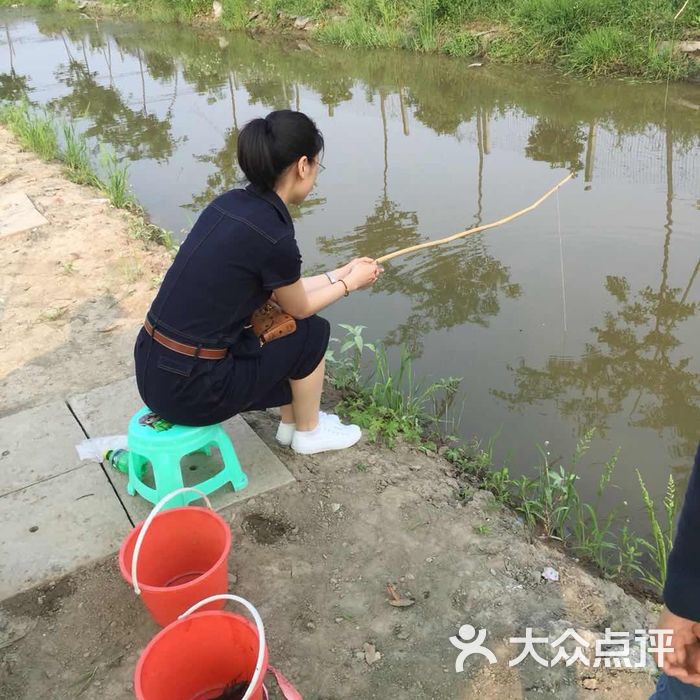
(315, 557)
(75, 288)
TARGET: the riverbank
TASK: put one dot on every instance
(652, 40)
(314, 559)
(73, 288)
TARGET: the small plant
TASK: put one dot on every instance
(662, 535)
(53, 314)
(131, 270)
(35, 131)
(345, 370)
(76, 157)
(482, 530)
(116, 183)
(144, 231)
(67, 268)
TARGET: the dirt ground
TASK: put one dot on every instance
(314, 557)
(75, 288)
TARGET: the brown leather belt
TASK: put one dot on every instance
(182, 348)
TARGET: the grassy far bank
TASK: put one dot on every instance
(387, 399)
(588, 37)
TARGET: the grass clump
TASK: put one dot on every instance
(390, 404)
(34, 130)
(116, 181)
(39, 132)
(76, 157)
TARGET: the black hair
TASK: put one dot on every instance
(267, 147)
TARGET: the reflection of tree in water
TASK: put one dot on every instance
(561, 145)
(633, 354)
(136, 134)
(13, 86)
(630, 356)
(453, 286)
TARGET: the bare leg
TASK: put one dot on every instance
(287, 413)
(306, 398)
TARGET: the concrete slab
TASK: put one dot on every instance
(36, 445)
(17, 214)
(107, 410)
(51, 528)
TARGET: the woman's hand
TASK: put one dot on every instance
(364, 273)
(344, 271)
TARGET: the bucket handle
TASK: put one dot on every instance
(258, 623)
(147, 523)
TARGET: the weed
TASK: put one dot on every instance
(53, 314)
(482, 529)
(34, 130)
(662, 535)
(116, 183)
(67, 268)
(131, 270)
(146, 232)
(76, 157)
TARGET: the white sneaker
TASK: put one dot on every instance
(327, 436)
(285, 431)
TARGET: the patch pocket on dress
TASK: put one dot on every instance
(177, 365)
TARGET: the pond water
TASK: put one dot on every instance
(582, 314)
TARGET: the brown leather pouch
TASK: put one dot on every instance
(269, 322)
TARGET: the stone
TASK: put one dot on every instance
(590, 683)
(37, 444)
(17, 214)
(302, 22)
(371, 653)
(689, 46)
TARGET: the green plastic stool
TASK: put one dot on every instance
(164, 450)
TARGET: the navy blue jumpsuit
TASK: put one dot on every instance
(241, 248)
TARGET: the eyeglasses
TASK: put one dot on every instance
(321, 166)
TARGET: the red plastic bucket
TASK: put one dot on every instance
(198, 655)
(176, 558)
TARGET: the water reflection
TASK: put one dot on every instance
(636, 358)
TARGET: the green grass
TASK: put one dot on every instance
(389, 404)
(587, 37)
(76, 157)
(34, 130)
(39, 132)
(116, 181)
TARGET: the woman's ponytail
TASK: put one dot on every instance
(255, 154)
(267, 147)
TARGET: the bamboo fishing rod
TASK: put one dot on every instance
(469, 231)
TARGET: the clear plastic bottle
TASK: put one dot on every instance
(118, 459)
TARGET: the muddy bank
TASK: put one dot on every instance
(73, 291)
(316, 558)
